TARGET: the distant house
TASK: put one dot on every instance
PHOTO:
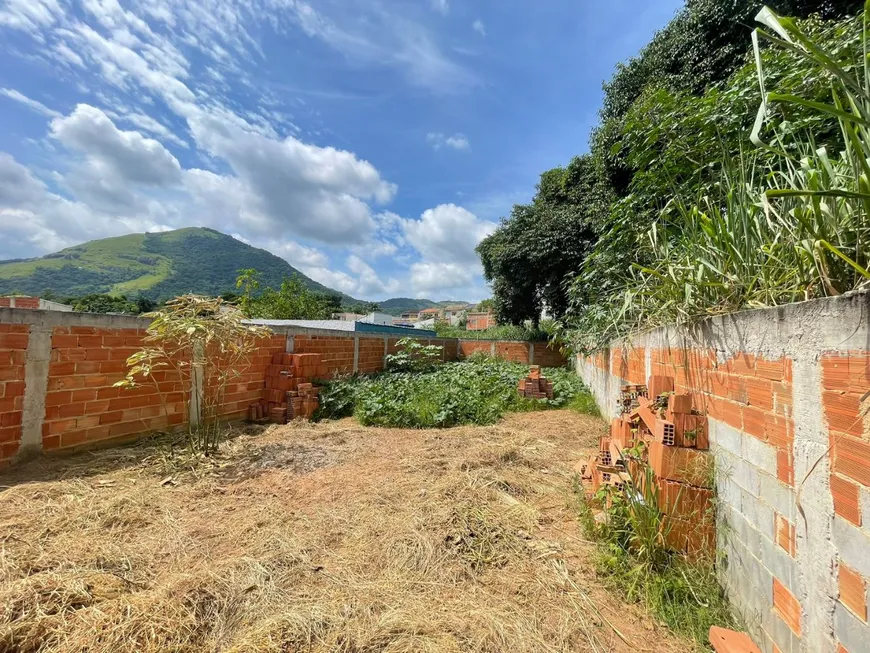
(455, 313)
(33, 303)
(428, 313)
(376, 318)
(480, 321)
(347, 317)
(411, 316)
(425, 324)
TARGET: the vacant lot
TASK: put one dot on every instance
(327, 537)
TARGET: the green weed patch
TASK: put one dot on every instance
(479, 390)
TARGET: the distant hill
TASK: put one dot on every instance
(399, 305)
(158, 266)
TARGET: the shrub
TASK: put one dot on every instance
(413, 356)
(479, 390)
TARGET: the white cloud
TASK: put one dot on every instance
(479, 27)
(441, 6)
(30, 103)
(299, 256)
(29, 15)
(447, 233)
(34, 220)
(429, 277)
(438, 140)
(114, 163)
(149, 124)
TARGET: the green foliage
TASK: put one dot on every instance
(195, 337)
(755, 227)
(159, 265)
(414, 356)
(518, 258)
(105, 304)
(634, 558)
(543, 332)
(485, 305)
(477, 391)
(292, 301)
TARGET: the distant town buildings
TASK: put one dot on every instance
(33, 303)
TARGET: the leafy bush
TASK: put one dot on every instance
(413, 356)
(542, 332)
(479, 390)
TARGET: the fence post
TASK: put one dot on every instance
(531, 353)
(355, 354)
(37, 360)
(196, 384)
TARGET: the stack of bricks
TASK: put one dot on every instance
(535, 386)
(289, 393)
(660, 428)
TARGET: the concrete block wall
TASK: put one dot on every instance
(532, 353)
(787, 394)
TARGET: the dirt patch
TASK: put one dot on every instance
(315, 538)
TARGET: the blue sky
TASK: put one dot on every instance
(371, 144)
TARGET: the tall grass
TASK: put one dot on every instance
(787, 222)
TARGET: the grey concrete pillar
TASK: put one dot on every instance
(196, 385)
(356, 354)
(35, 388)
(531, 353)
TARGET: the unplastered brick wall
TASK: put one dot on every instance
(58, 372)
(13, 357)
(786, 392)
(531, 353)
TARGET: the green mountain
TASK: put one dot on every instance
(399, 305)
(159, 266)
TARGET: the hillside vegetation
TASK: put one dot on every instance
(156, 266)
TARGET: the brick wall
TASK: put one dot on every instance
(337, 351)
(13, 354)
(539, 353)
(78, 358)
(787, 393)
(82, 406)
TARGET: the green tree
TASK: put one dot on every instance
(104, 304)
(529, 256)
(292, 301)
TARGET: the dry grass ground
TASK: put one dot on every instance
(314, 538)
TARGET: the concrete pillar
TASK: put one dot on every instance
(386, 350)
(196, 385)
(35, 388)
(289, 345)
(355, 354)
(492, 349)
(531, 353)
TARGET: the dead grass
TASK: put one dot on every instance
(314, 538)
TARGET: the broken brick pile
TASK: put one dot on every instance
(289, 393)
(661, 428)
(535, 386)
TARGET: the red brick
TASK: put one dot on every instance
(61, 369)
(10, 434)
(835, 372)
(785, 535)
(845, 494)
(729, 641)
(13, 340)
(788, 607)
(785, 466)
(853, 591)
(111, 418)
(72, 409)
(843, 412)
(760, 393)
(773, 370)
(851, 457)
(61, 426)
(50, 442)
(58, 398)
(72, 438)
(13, 389)
(84, 395)
(754, 422)
(65, 343)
